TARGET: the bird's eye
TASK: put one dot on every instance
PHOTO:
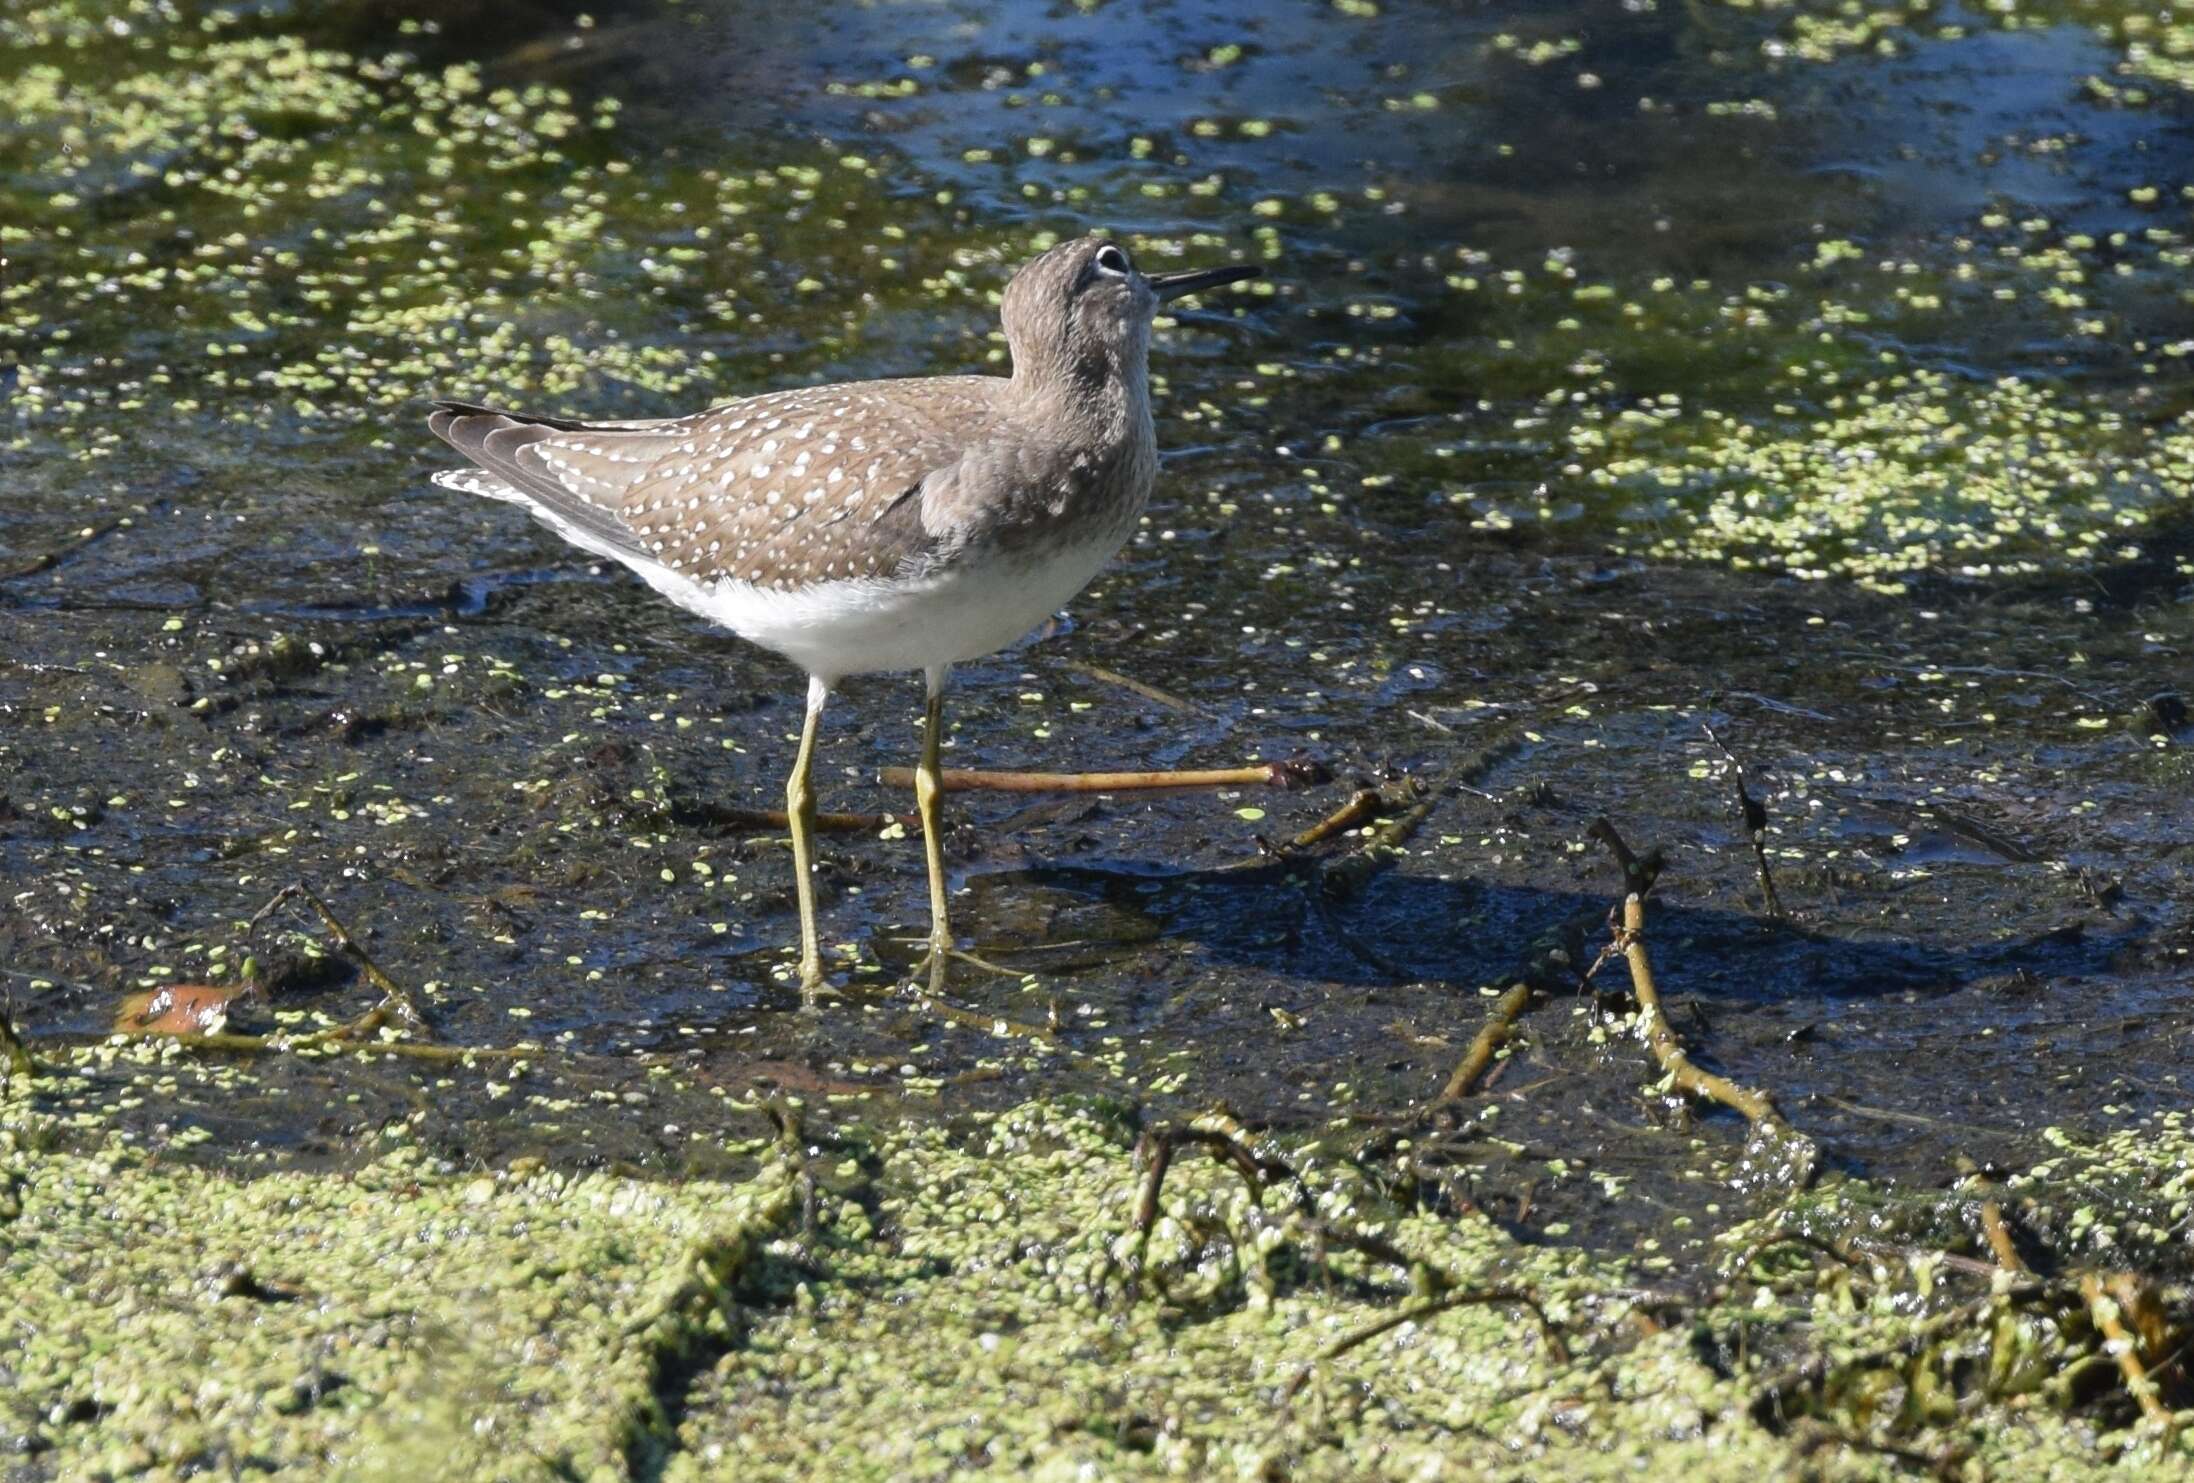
(1111, 260)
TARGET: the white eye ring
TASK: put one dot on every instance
(1111, 260)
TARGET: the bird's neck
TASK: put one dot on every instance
(1099, 399)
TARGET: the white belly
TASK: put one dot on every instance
(973, 607)
(967, 610)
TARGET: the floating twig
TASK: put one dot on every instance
(1491, 1036)
(1363, 806)
(1294, 773)
(1346, 876)
(1669, 1051)
(396, 1001)
(1552, 961)
(1754, 814)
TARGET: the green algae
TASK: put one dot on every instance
(2153, 39)
(946, 1301)
(1911, 474)
(411, 1314)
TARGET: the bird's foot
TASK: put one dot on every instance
(941, 951)
(816, 990)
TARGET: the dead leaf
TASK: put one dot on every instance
(179, 1009)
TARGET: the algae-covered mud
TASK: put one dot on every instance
(1768, 428)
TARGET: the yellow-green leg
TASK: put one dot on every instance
(800, 813)
(929, 792)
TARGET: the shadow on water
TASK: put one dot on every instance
(1405, 928)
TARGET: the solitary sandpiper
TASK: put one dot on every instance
(873, 525)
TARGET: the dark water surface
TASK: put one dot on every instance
(1620, 369)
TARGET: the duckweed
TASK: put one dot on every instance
(983, 1295)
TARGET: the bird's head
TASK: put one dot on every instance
(1079, 315)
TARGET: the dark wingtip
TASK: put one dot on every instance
(442, 421)
(453, 408)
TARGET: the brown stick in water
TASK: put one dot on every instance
(1662, 1041)
(1363, 806)
(1491, 1036)
(1668, 1051)
(1291, 774)
(2107, 1299)
(1999, 1239)
(395, 999)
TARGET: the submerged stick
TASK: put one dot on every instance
(1755, 817)
(828, 823)
(48, 560)
(1491, 1036)
(1467, 1298)
(976, 1019)
(1132, 686)
(394, 997)
(1290, 774)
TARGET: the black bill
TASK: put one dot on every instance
(1180, 285)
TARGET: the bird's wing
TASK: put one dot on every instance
(783, 490)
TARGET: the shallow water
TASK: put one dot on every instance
(1618, 371)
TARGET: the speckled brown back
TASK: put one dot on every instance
(782, 490)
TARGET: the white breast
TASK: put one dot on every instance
(973, 607)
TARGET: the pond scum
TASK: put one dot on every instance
(205, 220)
(906, 1302)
